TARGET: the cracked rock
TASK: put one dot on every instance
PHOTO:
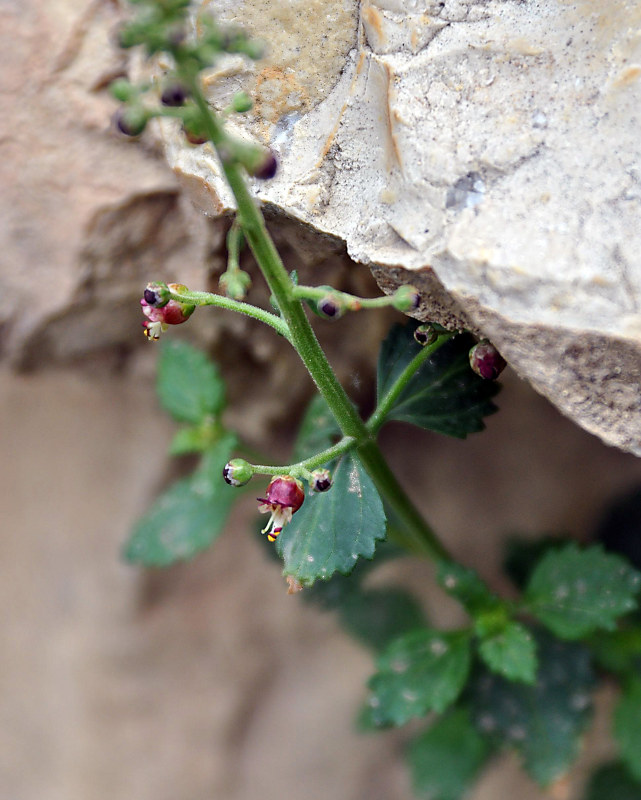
(485, 150)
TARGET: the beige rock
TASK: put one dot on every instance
(488, 148)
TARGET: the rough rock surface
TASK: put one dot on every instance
(487, 150)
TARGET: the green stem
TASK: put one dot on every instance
(304, 340)
(346, 444)
(352, 303)
(387, 401)
(209, 299)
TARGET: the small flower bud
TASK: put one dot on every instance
(331, 306)
(131, 121)
(406, 298)
(267, 168)
(235, 283)
(321, 480)
(242, 103)
(237, 472)
(174, 94)
(121, 89)
(156, 294)
(425, 334)
(486, 360)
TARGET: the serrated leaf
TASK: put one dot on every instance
(511, 653)
(543, 722)
(466, 585)
(189, 385)
(422, 671)
(444, 395)
(613, 782)
(627, 727)
(376, 616)
(333, 529)
(189, 516)
(445, 759)
(318, 430)
(575, 592)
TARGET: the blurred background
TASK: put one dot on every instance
(205, 680)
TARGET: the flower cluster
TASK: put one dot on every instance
(162, 311)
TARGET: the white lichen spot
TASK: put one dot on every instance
(411, 697)
(355, 482)
(487, 723)
(517, 733)
(400, 666)
(579, 701)
(310, 559)
(374, 702)
(438, 647)
(450, 582)
(561, 592)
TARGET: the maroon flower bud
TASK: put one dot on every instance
(284, 496)
(486, 360)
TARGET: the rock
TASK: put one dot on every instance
(486, 150)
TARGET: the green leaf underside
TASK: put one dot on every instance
(424, 670)
(575, 592)
(333, 529)
(627, 727)
(189, 386)
(544, 722)
(445, 759)
(444, 395)
(511, 653)
(317, 432)
(613, 782)
(189, 516)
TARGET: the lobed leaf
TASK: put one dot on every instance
(575, 592)
(511, 653)
(627, 727)
(189, 385)
(333, 529)
(424, 670)
(444, 395)
(466, 585)
(543, 722)
(189, 516)
(445, 759)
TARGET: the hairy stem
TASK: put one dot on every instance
(303, 338)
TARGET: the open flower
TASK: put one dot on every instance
(284, 496)
(161, 312)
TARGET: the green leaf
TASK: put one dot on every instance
(613, 782)
(468, 588)
(618, 651)
(422, 671)
(377, 616)
(189, 516)
(627, 727)
(333, 529)
(543, 722)
(445, 759)
(317, 431)
(511, 653)
(444, 395)
(575, 592)
(189, 386)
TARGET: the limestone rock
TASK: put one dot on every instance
(486, 150)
